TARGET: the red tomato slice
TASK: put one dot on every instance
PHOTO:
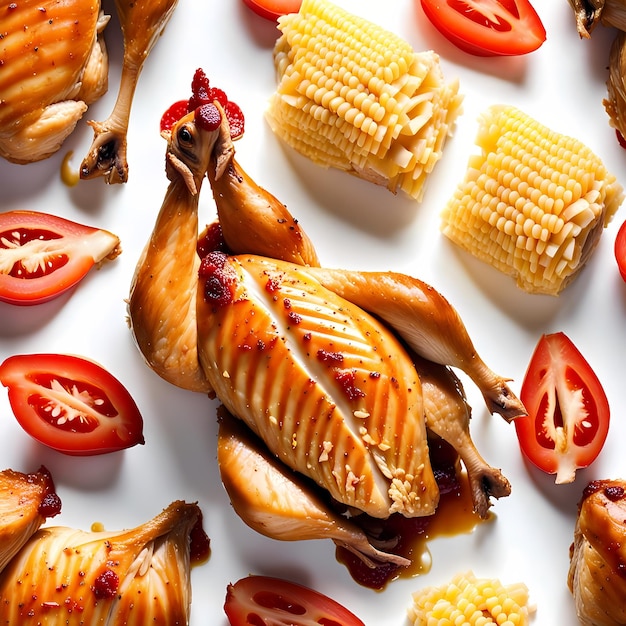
(258, 600)
(487, 27)
(620, 250)
(42, 256)
(568, 411)
(273, 9)
(71, 404)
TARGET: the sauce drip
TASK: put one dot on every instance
(454, 516)
(199, 543)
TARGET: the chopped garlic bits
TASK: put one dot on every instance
(470, 601)
(356, 97)
(533, 203)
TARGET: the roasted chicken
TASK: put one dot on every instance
(612, 14)
(54, 64)
(142, 23)
(139, 576)
(26, 502)
(316, 361)
(598, 555)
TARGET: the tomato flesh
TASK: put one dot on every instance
(273, 9)
(263, 600)
(568, 411)
(487, 27)
(71, 404)
(620, 250)
(42, 256)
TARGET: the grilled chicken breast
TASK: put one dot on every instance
(275, 501)
(327, 387)
(54, 64)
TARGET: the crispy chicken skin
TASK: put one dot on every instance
(597, 572)
(54, 64)
(73, 577)
(26, 502)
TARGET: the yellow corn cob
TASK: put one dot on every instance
(470, 601)
(356, 97)
(533, 203)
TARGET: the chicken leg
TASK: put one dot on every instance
(142, 23)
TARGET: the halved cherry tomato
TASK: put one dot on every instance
(487, 27)
(568, 411)
(258, 600)
(71, 404)
(620, 250)
(273, 9)
(42, 256)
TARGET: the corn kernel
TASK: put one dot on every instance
(469, 601)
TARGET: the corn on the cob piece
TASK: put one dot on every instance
(356, 97)
(533, 203)
(470, 601)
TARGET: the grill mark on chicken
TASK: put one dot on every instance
(362, 446)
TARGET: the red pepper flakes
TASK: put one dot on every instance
(347, 382)
(106, 584)
(219, 279)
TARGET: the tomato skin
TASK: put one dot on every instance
(568, 411)
(487, 27)
(97, 413)
(620, 250)
(62, 251)
(273, 9)
(256, 600)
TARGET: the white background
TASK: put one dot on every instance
(354, 225)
